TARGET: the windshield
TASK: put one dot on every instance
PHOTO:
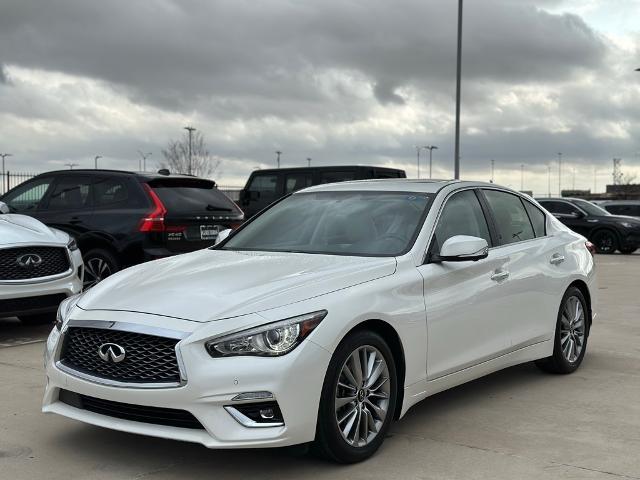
(337, 223)
(591, 208)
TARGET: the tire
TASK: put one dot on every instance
(98, 265)
(575, 331)
(628, 250)
(605, 241)
(38, 318)
(330, 442)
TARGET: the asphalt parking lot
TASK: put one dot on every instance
(515, 424)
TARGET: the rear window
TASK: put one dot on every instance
(191, 196)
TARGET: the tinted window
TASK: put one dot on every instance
(297, 181)
(191, 196)
(342, 223)
(111, 193)
(461, 215)
(263, 183)
(28, 195)
(559, 207)
(70, 193)
(631, 210)
(590, 208)
(538, 219)
(512, 221)
(338, 176)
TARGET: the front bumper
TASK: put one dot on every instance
(25, 298)
(295, 380)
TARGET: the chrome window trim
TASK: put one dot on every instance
(125, 327)
(49, 278)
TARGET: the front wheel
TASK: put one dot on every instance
(605, 241)
(98, 265)
(358, 399)
(572, 331)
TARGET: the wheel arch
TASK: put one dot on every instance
(584, 289)
(390, 335)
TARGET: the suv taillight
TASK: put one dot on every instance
(154, 221)
(591, 247)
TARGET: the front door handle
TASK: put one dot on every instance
(556, 259)
(500, 275)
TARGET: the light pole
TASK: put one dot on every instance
(456, 166)
(190, 130)
(431, 148)
(559, 174)
(143, 166)
(95, 161)
(549, 180)
(278, 153)
(71, 165)
(521, 176)
(308, 161)
(4, 173)
(418, 148)
(493, 164)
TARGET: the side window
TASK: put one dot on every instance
(337, 176)
(110, 193)
(563, 208)
(461, 215)
(70, 193)
(27, 197)
(512, 221)
(264, 183)
(297, 181)
(537, 217)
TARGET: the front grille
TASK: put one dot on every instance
(148, 358)
(25, 263)
(137, 413)
(39, 304)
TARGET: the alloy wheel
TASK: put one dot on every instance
(96, 270)
(572, 329)
(362, 396)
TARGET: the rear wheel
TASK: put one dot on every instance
(605, 241)
(98, 265)
(358, 399)
(38, 319)
(572, 332)
(628, 250)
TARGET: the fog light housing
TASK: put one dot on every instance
(257, 415)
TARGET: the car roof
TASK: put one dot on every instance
(619, 202)
(396, 185)
(102, 171)
(323, 167)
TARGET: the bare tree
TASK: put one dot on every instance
(628, 179)
(176, 156)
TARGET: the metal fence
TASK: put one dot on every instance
(8, 180)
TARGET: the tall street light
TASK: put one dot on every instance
(95, 161)
(521, 177)
(308, 161)
(71, 165)
(456, 167)
(559, 174)
(142, 163)
(493, 167)
(190, 130)
(431, 148)
(4, 173)
(278, 153)
(418, 148)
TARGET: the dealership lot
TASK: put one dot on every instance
(519, 423)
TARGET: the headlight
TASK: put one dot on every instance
(271, 340)
(72, 245)
(65, 308)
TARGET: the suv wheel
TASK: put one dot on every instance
(358, 399)
(605, 241)
(98, 265)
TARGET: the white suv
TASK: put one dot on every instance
(39, 267)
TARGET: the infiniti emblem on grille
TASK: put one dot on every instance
(29, 260)
(111, 352)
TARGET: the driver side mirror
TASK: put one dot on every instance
(576, 214)
(4, 208)
(463, 248)
(223, 235)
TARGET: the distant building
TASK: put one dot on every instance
(614, 192)
(576, 193)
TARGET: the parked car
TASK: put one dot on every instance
(266, 186)
(39, 268)
(629, 208)
(325, 317)
(123, 218)
(607, 232)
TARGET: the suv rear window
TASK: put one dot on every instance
(186, 195)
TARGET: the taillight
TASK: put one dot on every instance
(591, 247)
(154, 221)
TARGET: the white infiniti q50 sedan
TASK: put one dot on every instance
(326, 317)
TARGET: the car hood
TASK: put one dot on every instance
(214, 284)
(16, 229)
(618, 218)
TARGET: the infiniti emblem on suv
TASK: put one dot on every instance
(111, 352)
(29, 260)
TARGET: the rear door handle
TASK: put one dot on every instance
(500, 275)
(556, 259)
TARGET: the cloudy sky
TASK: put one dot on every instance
(340, 81)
